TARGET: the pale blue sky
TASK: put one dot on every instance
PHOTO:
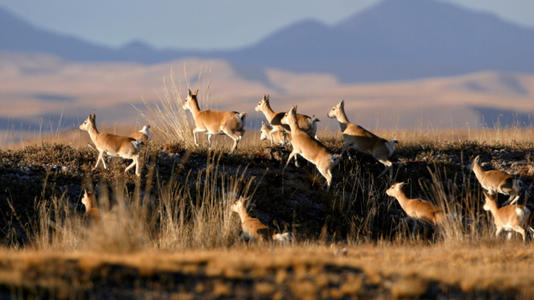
(205, 24)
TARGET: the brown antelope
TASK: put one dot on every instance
(278, 138)
(495, 181)
(213, 122)
(306, 123)
(508, 218)
(113, 145)
(253, 228)
(360, 139)
(309, 148)
(142, 135)
(88, 201)
(417, 208)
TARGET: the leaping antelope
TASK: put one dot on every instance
(253, 228)
(309, 148)
(213, 122)
(306, 123)
(417, 208)
(495, 181)
(113, 145)
(278, 138)
(508, 218)
(360, 139)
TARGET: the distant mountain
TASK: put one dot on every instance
(393, 40)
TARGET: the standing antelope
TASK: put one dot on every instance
(113, 145)
(278, 137)
(142, 135)
(213, 122)
(88, 202)
(306, 123)
(360, 139)
(417, 208)
(309, 148)
(495, 181)
(508, 218)
(253, 228)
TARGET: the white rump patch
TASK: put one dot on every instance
(283, 238)
(145, 131)
(520, 212)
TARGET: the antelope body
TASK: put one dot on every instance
(416, 208)
(508, 218)
(213, 122)
(253, 228)
(278, 138)
(142, 135)
(113, 145)
(304, 122)
(309, 148)
(495, 181)
(88, 201)
(360, 139)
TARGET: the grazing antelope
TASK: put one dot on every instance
(253, 228)
(508, 218)
(495, 181)
(278, 138)
(309, 148)
(306, 123)
(142, 135)
(213, 122)
(417, 208)
(113, 145)
(88, 201)
(360, 139)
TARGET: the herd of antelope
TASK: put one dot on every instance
(300, 132)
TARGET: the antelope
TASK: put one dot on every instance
(306, 123)
(113, 145)
(417, 208)
(88, 202)
(253, 228)
(277, 137)
(495, 181)
(309, 148)
(360, 139)
(508, 218)
(142, 135)
(213, 122)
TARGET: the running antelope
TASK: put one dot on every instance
(213, 122)
(508, 218)
(306, 123)
(142, 135)
(278, 138)
(417, 208)
(360, 139)
(113, 145)
(309, 148)
(495, 181)
(88, 202)
(253, 228)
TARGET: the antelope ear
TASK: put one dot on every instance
(342, 103)
(92, 117)
(189, 92)
(196, 92)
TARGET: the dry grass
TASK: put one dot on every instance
(303, 271)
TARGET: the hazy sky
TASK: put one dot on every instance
(205, 24)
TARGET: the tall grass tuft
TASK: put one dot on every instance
(176, 215)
